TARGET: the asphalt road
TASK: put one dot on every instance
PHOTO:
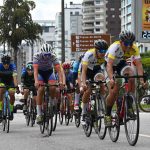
(69, 137)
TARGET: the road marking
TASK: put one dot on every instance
(144, 135)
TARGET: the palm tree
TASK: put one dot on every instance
(16, 24)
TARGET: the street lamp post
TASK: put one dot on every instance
(62, 32)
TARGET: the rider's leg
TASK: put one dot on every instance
(1, 101)
(85, 100)
(26, 93)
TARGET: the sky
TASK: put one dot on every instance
(47, 9)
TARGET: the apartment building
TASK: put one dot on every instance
(94, 16)
(73, 25)
(127, 21)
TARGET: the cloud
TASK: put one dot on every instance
(47, 9)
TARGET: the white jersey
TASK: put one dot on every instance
(90, 59)
(45, 61)
(116, 53)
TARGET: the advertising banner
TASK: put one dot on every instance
(146, 15)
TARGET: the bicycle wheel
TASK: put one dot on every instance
(144, 103)
(49, 125)
(61, 117)
(7, 124)
(131, 120)
(33, 116)
(100, 116)
(77, 119)
(27, 117)
(4, 122)
(67, 111)
(88, 126)
(55, 118)
(42, 125)
(114, 130)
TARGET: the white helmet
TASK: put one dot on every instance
(46, 48)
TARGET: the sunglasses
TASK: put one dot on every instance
(46, 54)
(29, 70)
(6, 63)
(102, 51)
(128, 43)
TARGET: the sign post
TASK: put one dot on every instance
(84, 42)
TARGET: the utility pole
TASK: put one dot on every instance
(62, 32)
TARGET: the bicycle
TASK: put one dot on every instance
(30, 115)
(126, 113)
(47, 110)
(6, 109)
(65, 106)
(94, 115)
(143, 97)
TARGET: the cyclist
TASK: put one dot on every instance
(115, 58)
(44, 63)
(27, 81)
(91, 62)
(69, 80)
(8, 77)
(77, 82)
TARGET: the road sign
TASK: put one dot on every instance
(86, 41)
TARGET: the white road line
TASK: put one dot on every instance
(144, 135)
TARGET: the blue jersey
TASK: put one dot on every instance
(12, 67)
(69, 77)
(76, 66)
(6, 75)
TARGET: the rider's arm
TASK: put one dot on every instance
(83, 74)
(60, 73)
(35, 67)
(63, 76)
(139, 67)
(109, 68)
(15, 80)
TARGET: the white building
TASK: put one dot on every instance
(73, 24)
(48, 36)
(127, 21)
(94, 16)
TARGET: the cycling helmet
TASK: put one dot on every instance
(46, 48)
(6, 59)
(127, 36)
(29, 67)
(80, 57)
(30, 62)
(101, 44)
(66, 65)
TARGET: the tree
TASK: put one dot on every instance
(16, 24)
(146, 62)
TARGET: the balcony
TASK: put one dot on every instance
(86, 26)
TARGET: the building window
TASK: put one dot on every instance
(97, 1)
(129, 2)
(112, 9)
(128, 9)
(76, 13)
(146, 49)
(97, 29)
(113, 16)
(45, 29)
(71, 13)
(129, 26)
(129, 18)
(97, 23)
